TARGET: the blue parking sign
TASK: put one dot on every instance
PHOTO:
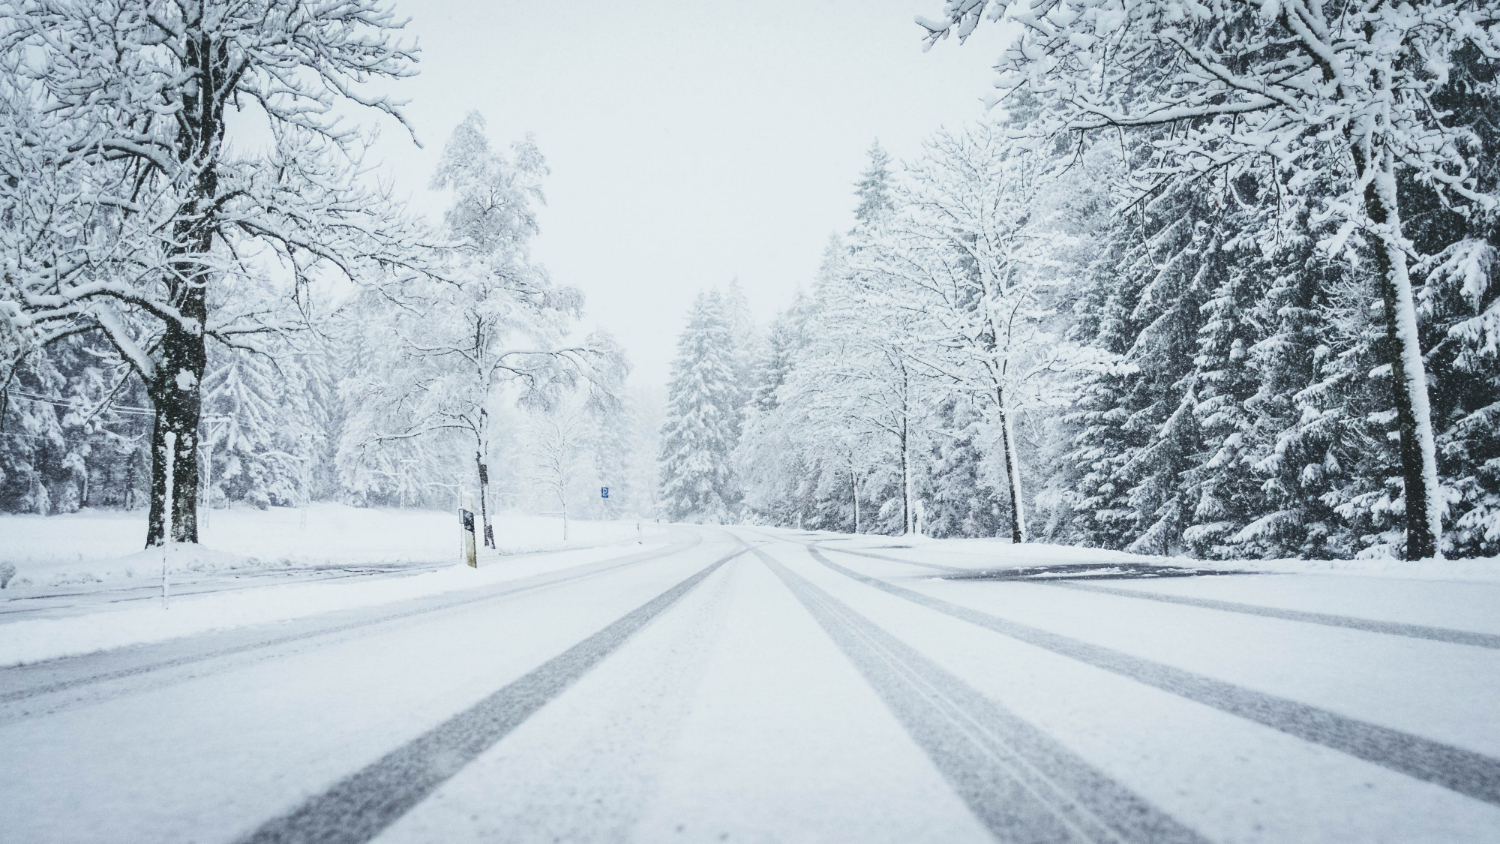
(603, 492)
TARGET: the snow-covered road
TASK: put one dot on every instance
(747, 685)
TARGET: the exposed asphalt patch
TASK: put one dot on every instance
(1089, 571)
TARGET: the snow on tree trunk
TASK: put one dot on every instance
(488, 535)
(854, 495)
(178, 382)
(484, 496)
(1424, 503)
(176, 393)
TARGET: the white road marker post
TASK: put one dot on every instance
(466, 525)
(640, 536)
(166, 514)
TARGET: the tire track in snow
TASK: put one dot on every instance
(50, 676)
(1410, 631)
(362, 805)
(1369, 625)
(1454, 768)
(1022, 784)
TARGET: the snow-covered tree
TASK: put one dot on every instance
(1278, 84)
(873, 190)
(261, 433)
(771, 457)
(703, 408)
(129, 208)
(973, 253)
(488, 324)
(858, 381)
(558, 445)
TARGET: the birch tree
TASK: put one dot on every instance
(703, 411)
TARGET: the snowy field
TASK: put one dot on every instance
(102, 546)
(75, 592)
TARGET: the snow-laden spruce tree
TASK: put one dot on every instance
(1229, 85)
(961, 499)
(874, 188)
(128, 204)
(703, 405)
(261, 433)
(487, 326)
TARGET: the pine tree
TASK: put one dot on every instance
(1222, 488)
(960, 498)
(1138, 430)
(874, 187)
(698, 438)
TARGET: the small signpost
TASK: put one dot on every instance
(466, 526)
(604, 492)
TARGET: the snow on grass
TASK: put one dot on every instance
(93, 546)
(34, 640)
(997, 553)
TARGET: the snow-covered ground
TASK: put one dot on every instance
(31, 640)
(709, 691)
(80, 586)
(94, 546)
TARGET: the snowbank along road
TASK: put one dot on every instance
(746, 685)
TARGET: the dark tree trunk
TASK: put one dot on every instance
(484, 495)
(176, 392)
(177, 410)
(176, 385)
(481, 448)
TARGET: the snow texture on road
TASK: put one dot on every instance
(767, 686)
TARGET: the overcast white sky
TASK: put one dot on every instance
(689, 142)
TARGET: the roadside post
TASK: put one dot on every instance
(166, 516)
(466, 527)
(640, 537)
